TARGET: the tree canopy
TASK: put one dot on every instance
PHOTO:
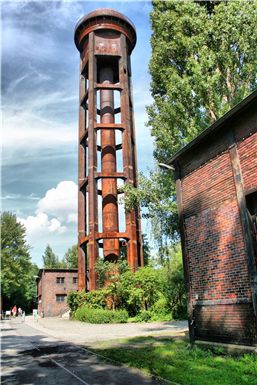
(70, 259)
(203, 62)
(17, 271)
(50, 259)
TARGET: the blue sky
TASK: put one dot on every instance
(40, 74)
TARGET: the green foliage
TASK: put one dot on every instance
(70, 259)
(148, 280)
(173, 360)
(203, 62)
(161, 308)
(157, 195)
(17, 282)
(174, 286)
(145, 295)
(143, 316)
(97, 298)
(100, 316)
(50, 259)
(30, 293)
(108, 271)
(131, 295)
(75, 299)
(146, 249)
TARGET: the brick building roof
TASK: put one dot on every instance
(55, 270)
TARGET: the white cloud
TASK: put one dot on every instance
(24, 127)
(54, 212)
(40, 225)
(60, 202)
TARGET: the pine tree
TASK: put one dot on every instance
(50, 260)
(70, 259)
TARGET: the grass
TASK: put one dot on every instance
(176, 361)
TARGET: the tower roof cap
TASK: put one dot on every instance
(104, 18)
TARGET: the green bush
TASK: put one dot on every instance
(143, 316)
(120, 316)
(148, 280)
(160, 310)
(96, 298)
(76, 299)
(160, 306)
(100, 316)
(148, 294)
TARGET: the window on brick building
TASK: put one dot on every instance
(75, 279)
(251, 203)
(59, 279)
(60, 297)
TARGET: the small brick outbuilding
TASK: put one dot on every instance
(216, 183)
(53, 285)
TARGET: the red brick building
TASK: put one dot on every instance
(216, 182)
(53, 285)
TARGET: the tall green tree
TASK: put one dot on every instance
(146, 249)
(70, 259)
(17, 282)
(203, 62)
(50, 259)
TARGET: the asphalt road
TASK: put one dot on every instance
(31, 357)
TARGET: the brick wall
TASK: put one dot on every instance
(247, 150)
(233, 322)
(50, 288)
(215, 247)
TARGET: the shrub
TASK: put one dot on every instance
(96, 298)
(76, 299)
(160, 310)
(100, 316)
(149, 281)
(160, 293)
(143, 316)
(120, 316)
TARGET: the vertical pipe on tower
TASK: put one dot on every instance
(108, 164)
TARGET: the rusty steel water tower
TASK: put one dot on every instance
(105, 39)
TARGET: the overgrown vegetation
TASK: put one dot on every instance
(149, 294)
(174, 360)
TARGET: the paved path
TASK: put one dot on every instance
(90, 334)
(30, 357)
